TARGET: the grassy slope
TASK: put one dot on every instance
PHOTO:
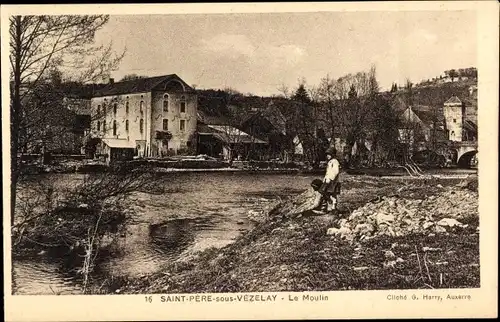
(296, 254)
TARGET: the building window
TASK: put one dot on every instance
(115, 107)
(98, 110)
(114, 127)
(104, 110)
(104, 126)
(98, 125)
(141, 106)
(126, 125)
(182, 125)
(165, 103)
(126, 106)
(454, 120)
(183, 104)
(165, 124)
(141, 126)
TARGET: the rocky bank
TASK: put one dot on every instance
(396, 234)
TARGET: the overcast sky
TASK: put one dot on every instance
(257, 53)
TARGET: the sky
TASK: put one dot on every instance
(258, 53)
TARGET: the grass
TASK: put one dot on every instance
(296, 254)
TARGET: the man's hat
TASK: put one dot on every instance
(331, 151)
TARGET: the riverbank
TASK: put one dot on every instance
(421, 235)
(210, 166)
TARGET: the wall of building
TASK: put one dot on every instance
(174, 116)
(134, 117)
(454, 122)
(152, 115)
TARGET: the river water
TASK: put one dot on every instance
(196, 211)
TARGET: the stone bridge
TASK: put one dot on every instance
(465, 151)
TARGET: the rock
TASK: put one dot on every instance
(343, 231)
(343, 222)
(399, 260)
(384, 218)
(361, 268)
(441, 263)
(450, 222)
(430, 249)
(439, 186)
(440, 229)
(390, 264)
(428, 224)
(364, 229)
(332, 231)
(389, 254)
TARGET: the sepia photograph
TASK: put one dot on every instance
(233, 156)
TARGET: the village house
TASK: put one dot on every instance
(217, 138)
(460, 124)
(268, 124)
(153, 117)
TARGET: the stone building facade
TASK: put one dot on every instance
(156, 115)
(454, 111)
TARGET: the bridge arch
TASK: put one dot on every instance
(464, 160)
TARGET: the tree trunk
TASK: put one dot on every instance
(15, 110)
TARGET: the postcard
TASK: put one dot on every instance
(250, 160)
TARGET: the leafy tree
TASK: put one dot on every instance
(453, 74)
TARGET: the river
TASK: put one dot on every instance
(196, 211)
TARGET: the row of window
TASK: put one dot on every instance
(141, 106)
(182, 126)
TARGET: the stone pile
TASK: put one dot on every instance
(393, 216)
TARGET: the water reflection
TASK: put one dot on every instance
(187, 212)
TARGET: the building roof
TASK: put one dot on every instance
(208, 119)
(453, 100)
(119, 143)
(470, 126)
(228, 134)
(139, 85)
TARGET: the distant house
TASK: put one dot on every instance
(227, 142)
(420, 124)
(459, 121)
(156, 115)
(268, 124)
(115, 149)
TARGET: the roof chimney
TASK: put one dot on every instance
(111, 81)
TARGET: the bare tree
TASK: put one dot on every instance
(131, 77)
(38, 44)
